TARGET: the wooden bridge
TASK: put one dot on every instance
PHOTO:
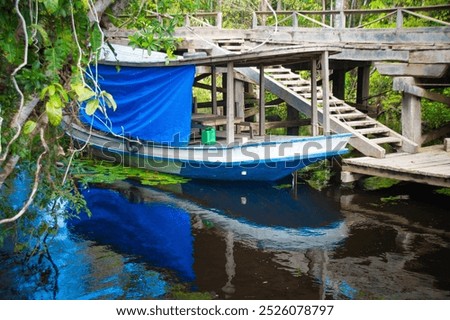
(417, 58)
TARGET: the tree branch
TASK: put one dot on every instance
(18, 121)
(17, 118)
(35, 184)
(97, 10)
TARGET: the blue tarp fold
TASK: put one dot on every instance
(153, 103)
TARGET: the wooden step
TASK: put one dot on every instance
(222, 41)
(394, 140)
(376, 130)
(236, 48)
(297, 82)
(303, 89)
(351, 115)
(342, 109)
(361, 123)
(285, 76)
(338, 103)
(276, 70)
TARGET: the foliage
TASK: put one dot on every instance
(435, 114)
(45, 54)
(155, 23)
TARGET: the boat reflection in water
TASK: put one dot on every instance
(156, 233)
(163, 227)
(268, 216)
(152, 222)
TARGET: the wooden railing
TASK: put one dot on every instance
(340, 18)
(334, 19)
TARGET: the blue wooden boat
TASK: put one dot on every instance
(152, 128)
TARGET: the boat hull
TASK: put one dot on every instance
(270, 159)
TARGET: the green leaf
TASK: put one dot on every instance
(54, 114)
(92, 106)
(64, 95)
(55, 101)
(82, 92)
(43, 34)
(51, 5)
(96, 38)
(109, 100)
(51, 90)
(29, 127)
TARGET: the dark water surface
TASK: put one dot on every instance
(242, 241)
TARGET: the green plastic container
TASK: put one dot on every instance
(209, 135)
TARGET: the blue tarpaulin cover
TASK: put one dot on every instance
(153, 103)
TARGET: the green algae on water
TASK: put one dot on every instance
(91, 171)
(376, 183)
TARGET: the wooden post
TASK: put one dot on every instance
(294, 20)
(411, 118)
(239, 100)
(362, 89)
(214, 90)
(219, 20)
(339, 84)
(230, 103)
(194, 106)
(399, 18)
(292, 114)
(254, 20)
(262, 102)
(325, 93)
(314, 112)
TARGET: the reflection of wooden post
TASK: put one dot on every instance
(314, 115)
(230, 265)
(230, 102)
(214, 90)
(325, 94)
(262, 102)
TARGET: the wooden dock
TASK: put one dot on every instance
(250, 64)
(431, 165)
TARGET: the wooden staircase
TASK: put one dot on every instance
(370, 137)
(231, 45)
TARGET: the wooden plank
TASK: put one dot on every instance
(408, 85)
(372, 130)
(433, 163)
(354, 115)
(430, 56)
(211, 119)
(386, 140)
(420, 70)
(437, 180)
(287, 123)
(361, 123)
(342, 109)
(281, 76)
